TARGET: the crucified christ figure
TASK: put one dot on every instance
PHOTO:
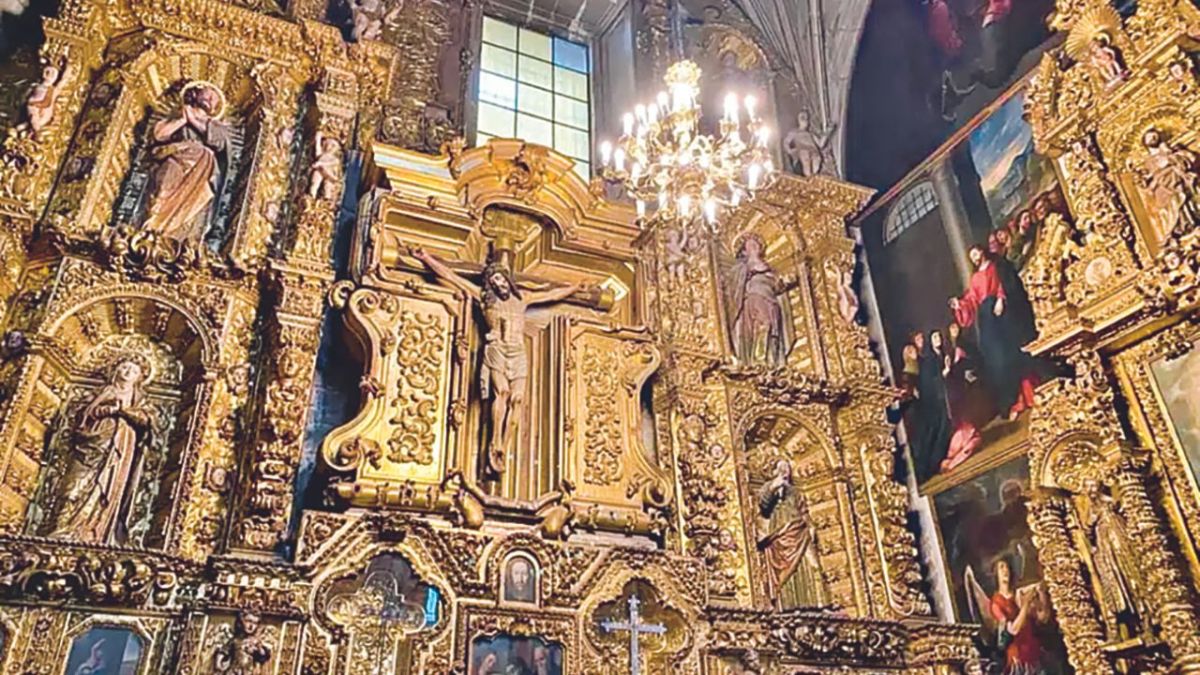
(505, 364)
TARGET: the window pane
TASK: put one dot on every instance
(499, 61)
(535, 130)
(481, 139)
(535, 101)
(499, 90)
(571, 142)
(570, 83)
(495, 121)
(535, 44)
(570, 54)
(499, 33)
(570, 111)
(584, 170)
(534, 72)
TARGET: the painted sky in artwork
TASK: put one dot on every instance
(999, 141)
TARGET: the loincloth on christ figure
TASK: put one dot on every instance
(503, 359)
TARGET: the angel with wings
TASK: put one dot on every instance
(1014, 616)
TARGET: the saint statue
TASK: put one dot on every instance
(185, 177)
(805, 148)
(244, 652)
(759, 335)
(1172, 179)
(788, 542)
(505, 370)
(1114, 560)
(103, 459)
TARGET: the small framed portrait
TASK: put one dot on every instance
(519, 579)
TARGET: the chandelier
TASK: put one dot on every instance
(662, 159)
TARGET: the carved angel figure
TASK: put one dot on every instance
(184, 179)
(805, 148)
(1106, 60)
(788, 542)
(370, 16)
(759, 334)
(676, 252)
(1114, 560)
(1014, 615)
(1172, 179)
(40, 104)
(326, 176)
(104, 459)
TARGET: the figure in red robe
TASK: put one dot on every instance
(1008, 371)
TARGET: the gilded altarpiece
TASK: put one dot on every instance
(1113, 502)
(566, 413)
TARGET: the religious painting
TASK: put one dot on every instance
(513, 655)
(926, 67)
(1177, 381)
(948, 249)
(105, 651)
(995, 576)
(519, 581)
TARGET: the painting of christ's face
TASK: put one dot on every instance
(520, 583)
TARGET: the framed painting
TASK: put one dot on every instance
(517, 655)
(947, 249)
(995, 577)
(1160, 377)
(105, 650)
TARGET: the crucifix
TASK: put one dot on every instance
(636, 629)
(505, 369)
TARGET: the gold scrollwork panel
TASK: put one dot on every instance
(403, 431)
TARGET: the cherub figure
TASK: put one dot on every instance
(675, 258)
(370, 17)
(40, 105)
(1106, 60)
(326, 174)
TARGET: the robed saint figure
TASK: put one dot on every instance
(788, 543)
(186, 173)
(102, 464)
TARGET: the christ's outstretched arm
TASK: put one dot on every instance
(443, 272)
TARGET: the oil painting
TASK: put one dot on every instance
(995, 576)
(105, 651)
(947, 249)
(512, 655)
(1178, 380)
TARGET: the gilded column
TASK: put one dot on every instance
(1172, 597)
(300, 283)
(1064, 574)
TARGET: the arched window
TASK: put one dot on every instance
(908, 209)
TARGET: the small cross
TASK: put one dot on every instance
(636, 628)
